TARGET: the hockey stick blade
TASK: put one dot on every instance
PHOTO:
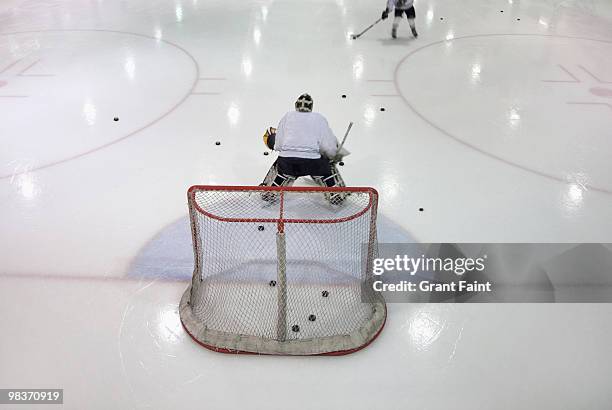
(356, 36)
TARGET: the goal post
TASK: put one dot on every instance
(283, 270)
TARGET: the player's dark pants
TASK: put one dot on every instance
(299, 167)
(410, 14)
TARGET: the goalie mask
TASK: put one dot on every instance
(304, 103)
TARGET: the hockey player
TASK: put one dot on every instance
(306, 146)
(401, 7)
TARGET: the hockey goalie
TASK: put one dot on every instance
(306, 147)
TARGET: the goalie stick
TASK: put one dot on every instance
(337, 157)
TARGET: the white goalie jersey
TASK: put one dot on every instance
(305, 135)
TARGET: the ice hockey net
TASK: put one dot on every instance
(283, 270)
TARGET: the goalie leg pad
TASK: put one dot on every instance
(283, 180)
(332, 180)
(269, 178)
(274, 178)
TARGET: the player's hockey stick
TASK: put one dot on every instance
(356, 36)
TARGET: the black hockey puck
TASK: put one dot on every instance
(341, 163)
(518, 19)
(421, 209)
(382, 108)
(217, 143)
(501, 11)
(266, 153)
(272, 283)
(312, 318)
(261, 227)
(343, 95)
(441, 18)
(116, 119)
(295, 328)
(325, 293)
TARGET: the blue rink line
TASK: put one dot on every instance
(169, 254)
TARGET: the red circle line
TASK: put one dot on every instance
(132, 133)
(472, 146)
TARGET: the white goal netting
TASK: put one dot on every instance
(283, 270)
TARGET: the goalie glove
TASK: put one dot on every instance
(269, 137)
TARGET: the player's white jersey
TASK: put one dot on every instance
(399, 4)
(305, 135)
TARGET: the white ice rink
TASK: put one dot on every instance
(497, 122)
